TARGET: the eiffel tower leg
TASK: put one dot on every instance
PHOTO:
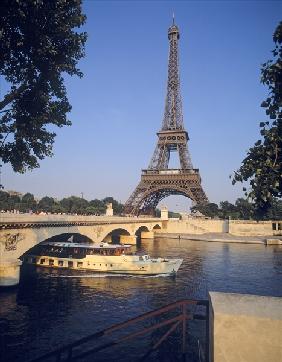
(132, 205)
(160, 158)
(184, 157)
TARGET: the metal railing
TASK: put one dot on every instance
(175, 171)
(70, 352)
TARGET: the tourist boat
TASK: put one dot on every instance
(102, 257)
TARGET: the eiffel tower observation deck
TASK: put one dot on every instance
(158, 181)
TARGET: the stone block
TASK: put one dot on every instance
(245, 328)
(9, 272)
(273, 242)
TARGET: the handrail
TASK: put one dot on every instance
(66, 353)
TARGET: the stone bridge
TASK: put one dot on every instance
(20, 232)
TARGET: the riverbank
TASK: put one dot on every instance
(221, 237)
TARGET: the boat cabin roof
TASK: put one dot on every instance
(86, 246)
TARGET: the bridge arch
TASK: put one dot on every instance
(63, 237)
(70, 237)
(141, 229)
(114, 235)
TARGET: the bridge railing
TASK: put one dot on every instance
(157, 319)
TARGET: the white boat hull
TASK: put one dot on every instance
(123, 264)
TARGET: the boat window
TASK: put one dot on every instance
(61, 263)
(42, 261)
(79, 264)
(140, 257)
(111, 264)
(70, 264)
(51, 262)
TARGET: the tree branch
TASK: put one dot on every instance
(11, 96)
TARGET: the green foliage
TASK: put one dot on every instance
(4, 196)
(209, 209)
(275, 211)
(39, 43)
(28, 203)
(228, 210)
(244, 208)
(172, 214)
(262, 166)
(68, 205)
(46, 204)
(241, 210)
(74, 205)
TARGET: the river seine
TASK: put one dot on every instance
(52, 308)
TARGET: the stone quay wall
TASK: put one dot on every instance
(250, 228)
(194, 226)
(245, 328)
(233, 227)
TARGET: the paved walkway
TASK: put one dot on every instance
(219, 237)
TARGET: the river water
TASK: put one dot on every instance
(52, 308)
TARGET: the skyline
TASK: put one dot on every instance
(121, 98)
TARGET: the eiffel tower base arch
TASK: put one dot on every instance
(155, 185)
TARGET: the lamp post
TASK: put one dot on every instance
(1, 186)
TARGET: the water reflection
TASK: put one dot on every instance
(53, 307)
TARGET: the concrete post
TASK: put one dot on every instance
(245, 328)
(10, 272)
(109, 210)
(164, 213)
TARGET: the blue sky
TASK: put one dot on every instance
(118, 105)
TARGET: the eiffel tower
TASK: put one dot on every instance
(158, 181)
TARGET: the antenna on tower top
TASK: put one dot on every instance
(173, 18)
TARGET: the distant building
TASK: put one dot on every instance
(14, 193)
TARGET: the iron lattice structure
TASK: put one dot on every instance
(158, 181)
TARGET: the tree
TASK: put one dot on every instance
(262, 166)
(4, 200)
(228, 210)
(28, 203)
(244, 208)
(74, 205)
(275, 211)
(57, 208)
(39, 43)
(96, 207)
(209, 209)
(14, 202)
(46, 204)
